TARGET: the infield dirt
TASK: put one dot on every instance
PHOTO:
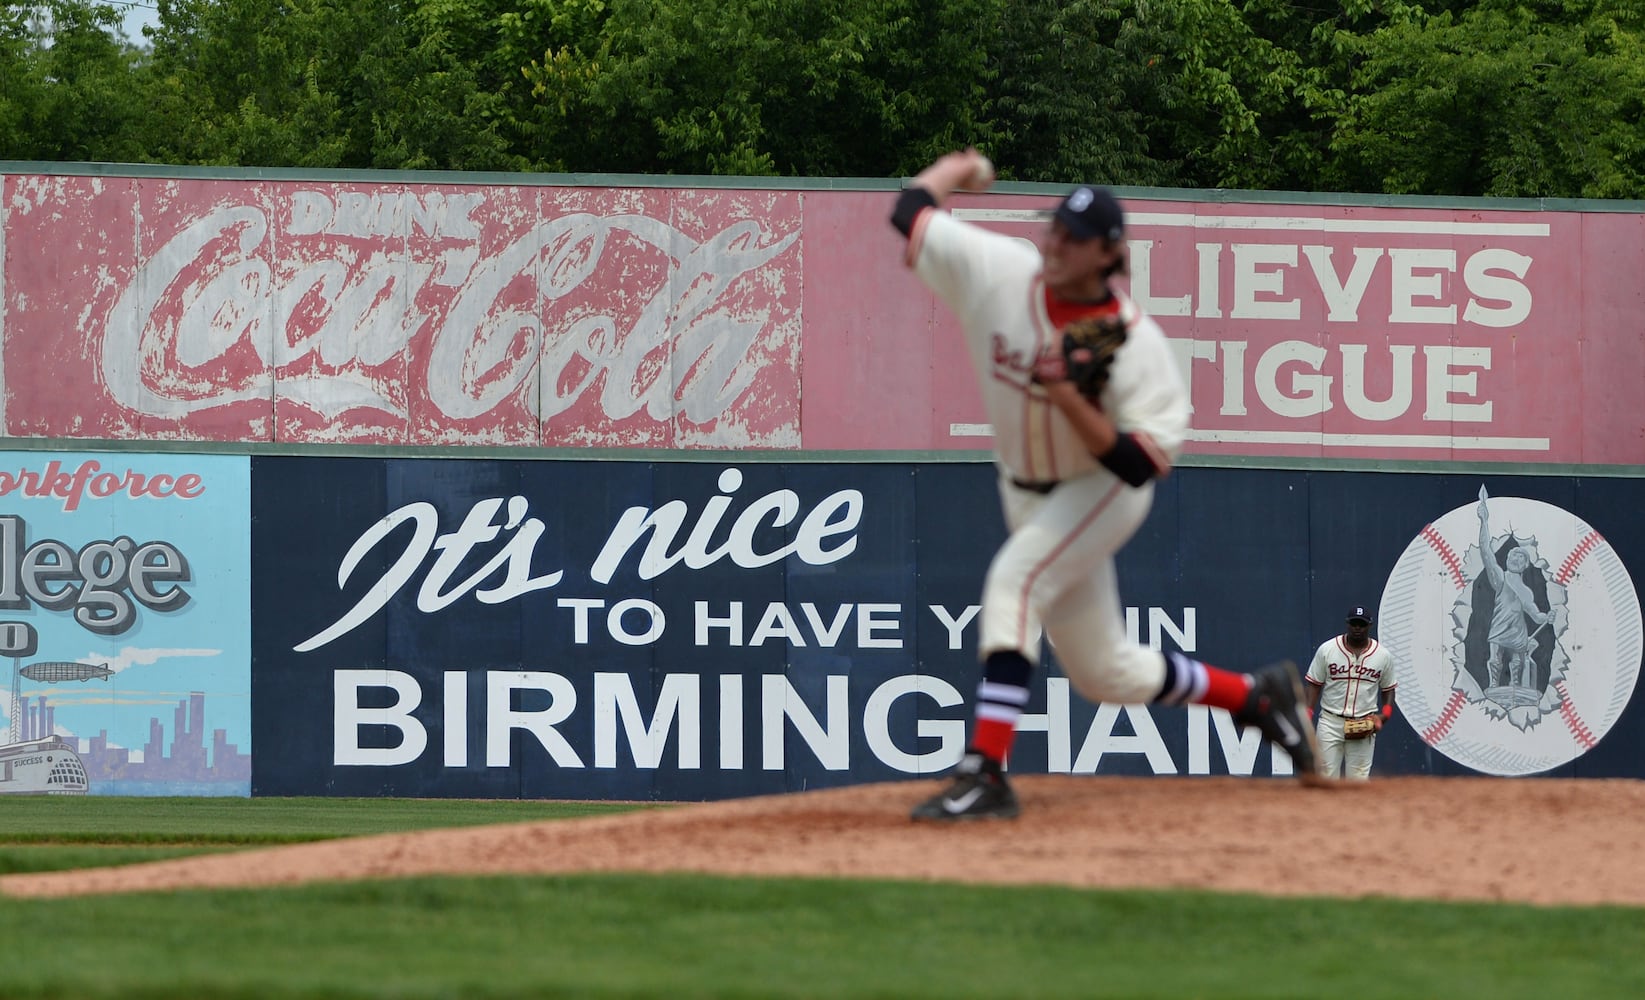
(1542, 841)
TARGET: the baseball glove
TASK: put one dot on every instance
(1088, 349)
(1360, 728)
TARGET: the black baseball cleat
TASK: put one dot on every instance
(1276, 706)
(979, 791)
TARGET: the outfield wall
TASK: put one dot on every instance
(654, 629)
(441, 309)
(330, 483)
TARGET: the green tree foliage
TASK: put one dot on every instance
(366, 83)
(1459, 97)
(1231, 88)
(1079, 87)
(1502, 99)
(71, 99)
(241, 82)
(18, 88)
(819, 87)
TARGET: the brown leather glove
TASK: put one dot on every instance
(1360, 728)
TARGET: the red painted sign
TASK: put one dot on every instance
(1316, 331)
(401, 314)
(610, 317)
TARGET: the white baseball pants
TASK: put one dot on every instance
(1339, 757)
(1055, 573)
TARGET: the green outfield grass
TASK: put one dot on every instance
(257, 822)
(687, 936)
(45, 833)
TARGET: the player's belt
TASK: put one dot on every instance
(1036, 486)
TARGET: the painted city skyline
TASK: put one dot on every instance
(187, 759)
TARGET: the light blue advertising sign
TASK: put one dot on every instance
(125, 607)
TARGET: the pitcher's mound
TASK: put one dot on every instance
(1529, 840)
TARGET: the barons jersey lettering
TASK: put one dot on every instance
(1350, 681)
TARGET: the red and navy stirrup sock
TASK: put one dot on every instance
(1003, 694)
(1189, 681)
(1001, 697)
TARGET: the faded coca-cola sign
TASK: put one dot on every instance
(540, 316)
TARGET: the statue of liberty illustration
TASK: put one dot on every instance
(1508, 624)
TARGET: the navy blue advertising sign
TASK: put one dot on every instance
(697, 630)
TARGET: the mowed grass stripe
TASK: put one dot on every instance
(217, 821)
(50, 833)
(698, 936)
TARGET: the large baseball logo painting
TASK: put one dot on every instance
(1516, 630)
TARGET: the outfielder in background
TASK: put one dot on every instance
(1351, 684)
(1088, 408)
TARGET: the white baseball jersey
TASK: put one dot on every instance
(1055, 573)
(992, 282)
(1350, 682)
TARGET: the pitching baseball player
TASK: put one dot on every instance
(1351, 683)
(1076, 469)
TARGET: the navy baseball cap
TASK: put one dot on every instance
(1090, 212)
(1359, 614)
